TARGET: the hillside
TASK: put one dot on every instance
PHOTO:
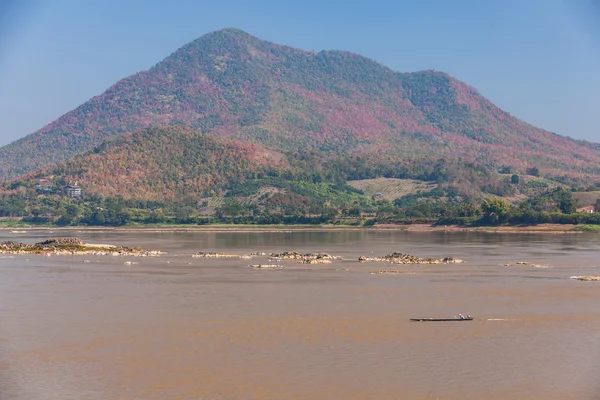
(163, 164)
(232, 85)
(175, 174)
(178, 175)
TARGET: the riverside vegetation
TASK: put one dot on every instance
(320, 203)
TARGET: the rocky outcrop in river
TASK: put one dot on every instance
(587, 278)
(266, 266)
(401, 258)
(73, 246)
(393, 272)
(309, 258)
(526, 264)
(219, 255)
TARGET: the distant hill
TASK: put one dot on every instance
(164, 164)
(234, 86)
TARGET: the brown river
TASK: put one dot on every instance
(177, 327)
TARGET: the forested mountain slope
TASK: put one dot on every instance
(164, 164)
(232, 85)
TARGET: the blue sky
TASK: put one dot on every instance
(537, 59)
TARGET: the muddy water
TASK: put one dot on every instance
(176, 327)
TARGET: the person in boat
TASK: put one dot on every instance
(461, 316)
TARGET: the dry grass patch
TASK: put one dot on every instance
(584, 199)
(391, 188)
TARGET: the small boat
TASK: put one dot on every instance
(441, 319)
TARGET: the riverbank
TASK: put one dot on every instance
(541, 228)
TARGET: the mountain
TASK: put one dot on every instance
(234, 86)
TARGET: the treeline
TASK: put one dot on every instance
(290, 202)
(295, 202)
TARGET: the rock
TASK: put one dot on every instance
(309, 258)
(214, 255)
(525, 263)
(392, 272)
(316, 261)
(587, 278)
(9, 245)
(401, 258)
(62, 241)
(452, 260)
(149, 253)
(267, 266)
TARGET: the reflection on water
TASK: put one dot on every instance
(177, 327)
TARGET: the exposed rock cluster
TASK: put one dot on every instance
(525, 263)
(392, 272)
(401, 258)
(217, 255)
(309, 258)
(587, 278)
(73, 246)
(63, 241)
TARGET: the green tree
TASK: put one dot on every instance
(385, 207)
(564, 201)
(597, 206)
(98, 217)
(533, 171)
(514, 179)
(466, 209)
(230, 208)
(495, 210)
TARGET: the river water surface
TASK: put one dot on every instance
(177, 327)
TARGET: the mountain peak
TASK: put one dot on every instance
(223, 37)
(229, 32)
